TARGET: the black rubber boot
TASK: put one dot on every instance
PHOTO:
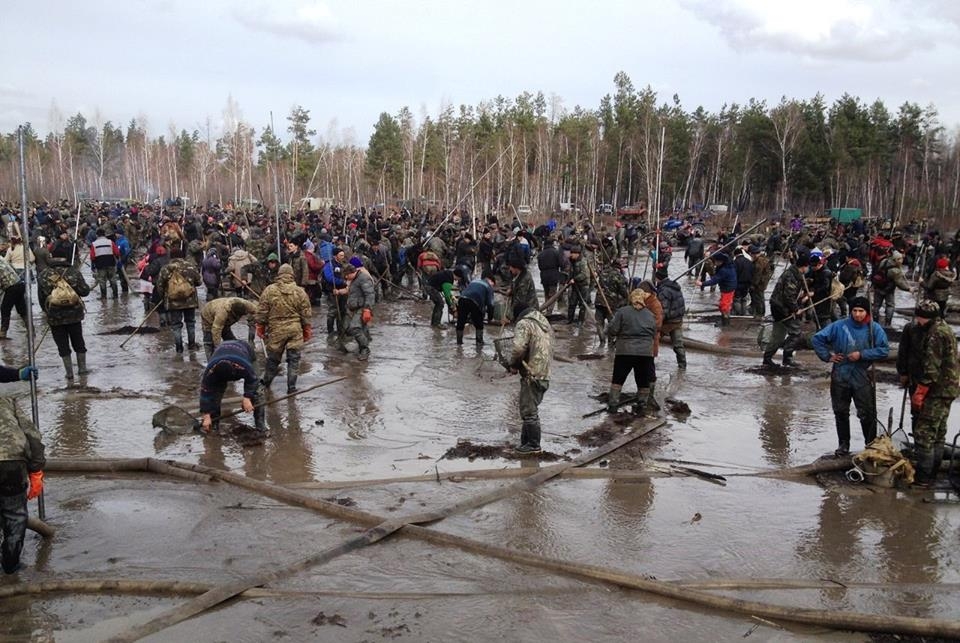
(459, 337)
(270, 371)
(260, 419)
(479, 337)
(768, 358)
(293, 370)
(924, 465)
(68, 366)
(192, 338)
(843, 450)
(82, 364)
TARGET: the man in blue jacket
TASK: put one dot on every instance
(852, 345)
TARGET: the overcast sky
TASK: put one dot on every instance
(177, 61)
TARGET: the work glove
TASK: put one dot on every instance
(261, 331)
(36, 485)
(919, 395)
(27, 371)
(366, 316)
(307, 333)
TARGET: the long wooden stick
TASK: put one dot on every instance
(145, 318)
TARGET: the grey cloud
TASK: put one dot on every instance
(266, 19)
(846, 40)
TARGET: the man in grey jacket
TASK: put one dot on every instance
(361, 296)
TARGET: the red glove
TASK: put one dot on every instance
(36, 485)
(366, 316)
(919, 395)
(307, 333)
(261, 331)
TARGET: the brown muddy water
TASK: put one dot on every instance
(396, 416)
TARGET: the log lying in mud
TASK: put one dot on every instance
(670, 589)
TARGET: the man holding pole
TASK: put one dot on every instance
(231, 361)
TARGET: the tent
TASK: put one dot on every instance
(845, 215)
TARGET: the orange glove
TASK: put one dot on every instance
(36, 485)
(307, 333)
(261, 331)
(919, 395)
(366, 316)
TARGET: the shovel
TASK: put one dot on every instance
(177, 420)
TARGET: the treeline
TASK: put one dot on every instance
(798, 156)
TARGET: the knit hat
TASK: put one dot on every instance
(356, 261)
(272, 257)
(518, 309)
(927, 309)
(515, 261)
(860, 302)
(285, 269)
(803, 259)
(943, 263)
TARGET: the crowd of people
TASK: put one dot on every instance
(271, 275)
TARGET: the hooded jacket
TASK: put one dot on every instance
(634, 326)
(532, 350)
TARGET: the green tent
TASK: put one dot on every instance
(845, 215)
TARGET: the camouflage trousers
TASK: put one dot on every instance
(930, 425)
(106, 276)
(531, 394)
(13, 517)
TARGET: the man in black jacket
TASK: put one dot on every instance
(674, 307)
(550, 261)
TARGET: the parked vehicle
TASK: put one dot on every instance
(605, 208)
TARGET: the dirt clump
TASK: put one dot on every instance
(470, 451)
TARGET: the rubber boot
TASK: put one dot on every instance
(640, 407)
(924, 466)
(937, 460)
(613, 398)
(843, 450)
(260, 420)
(179, 344)
(479, 337)
(768, 358)
(68, 366)
(82, 364)
(682, 361)
(293, 370)
(652, 403)
(270, 371)
(788, 359)
(192, 337)
(113, 290)
(459, 337)
(3, 333)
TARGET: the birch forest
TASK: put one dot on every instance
(796, 156)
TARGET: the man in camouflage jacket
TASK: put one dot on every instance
(937, 385)
(21, 469)
(530, 355)
(218, 317)
(283, 322)
(181, 309)
(66, 322)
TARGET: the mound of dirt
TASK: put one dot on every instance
(470, 451)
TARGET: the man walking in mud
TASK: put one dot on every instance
(852, 345)
(284, 324)
(530, 356)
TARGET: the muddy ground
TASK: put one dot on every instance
(400, 414)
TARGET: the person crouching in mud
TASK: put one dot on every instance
(231, 361)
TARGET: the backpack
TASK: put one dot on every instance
(879, 278)
(8, 276)
(63, 295)
(178, 288)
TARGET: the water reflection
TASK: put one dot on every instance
(882, 537)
